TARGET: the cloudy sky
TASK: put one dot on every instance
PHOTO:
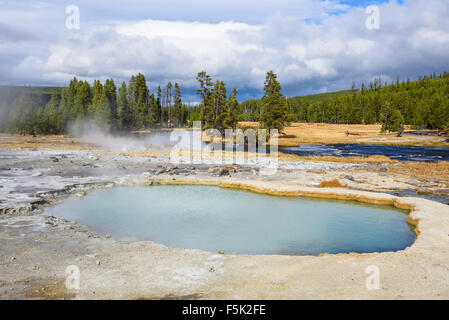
(313, 45)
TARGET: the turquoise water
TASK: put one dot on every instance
(214, 219)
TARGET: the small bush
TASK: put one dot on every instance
(334, 183)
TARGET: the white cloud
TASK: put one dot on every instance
(413, 38)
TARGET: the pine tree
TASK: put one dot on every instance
(168, 103)
(232, 110)
(184, 115)
(273, 113)
(141, 107)
(98, 98)
(386, 117)
(159, 104)
(397, 122)
(71, 92)
(64, 108)
(103, 115)
(132, 96)
(207, 117)
(53, 115)
(177, 111)
(99, 110)
(82, 100)
(110, 91)
(124, 113)
(220, 111)
(153, 117)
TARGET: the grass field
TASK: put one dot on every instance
(323, 133)
(50, 142)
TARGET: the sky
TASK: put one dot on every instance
(312, 45)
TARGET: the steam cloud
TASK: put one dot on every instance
(90, 132)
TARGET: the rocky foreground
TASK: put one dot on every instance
(36, 248)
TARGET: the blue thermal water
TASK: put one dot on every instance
(215, 219)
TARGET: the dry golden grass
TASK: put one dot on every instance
(424, 171)
(39, 146)
(323, 133)
(334, 183)
(370, 159)
(50, 142)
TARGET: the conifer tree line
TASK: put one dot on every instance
(129, 107)
(221, 111)
(217, 109)
(423, 104)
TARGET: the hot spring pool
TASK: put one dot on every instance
(214, 219)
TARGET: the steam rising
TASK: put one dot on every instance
(91, 133)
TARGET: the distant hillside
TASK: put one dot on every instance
(323, 96)
(11, 91)
(250, 109)
(423, 104)
(10, 94)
